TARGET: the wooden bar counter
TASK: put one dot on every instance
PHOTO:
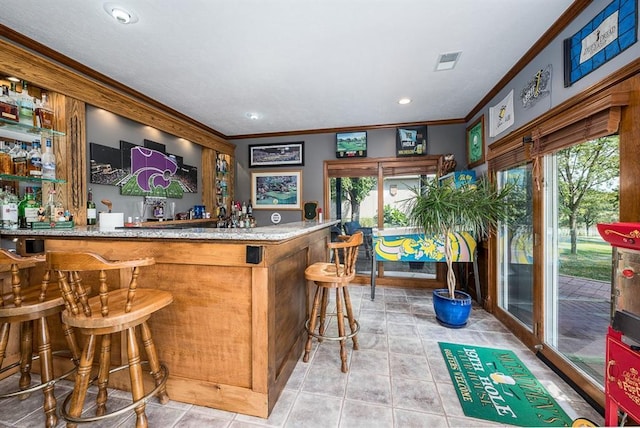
(234, 332)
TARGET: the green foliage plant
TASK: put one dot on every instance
(440, 210)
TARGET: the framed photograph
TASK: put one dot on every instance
(285, 154)
(276, 190)
(351, 144)
(411, 141)
(475, 143)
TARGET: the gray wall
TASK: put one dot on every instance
(553, 54)
(108, 129)
(381, 143)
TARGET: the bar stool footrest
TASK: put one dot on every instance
(79, 420)
(40, 385)
(334, 338)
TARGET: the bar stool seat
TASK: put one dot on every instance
(114, 310)
(334, 275)
(24, 308)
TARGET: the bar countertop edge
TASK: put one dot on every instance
(272, 233)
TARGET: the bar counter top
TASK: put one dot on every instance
(180, 231)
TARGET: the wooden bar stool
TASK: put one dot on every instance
(24, 308)
(337, 275)
(114, 310)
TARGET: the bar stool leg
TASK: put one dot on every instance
(103, 375)
(72, 343)
(83, 377)
(340, 319)
(135, 374)
(323, 313)
(352, 322)
(46, 372)
(312, 324)
(4, 340)
(26, 356)
(154, 362)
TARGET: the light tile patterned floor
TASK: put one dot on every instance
(398, 377)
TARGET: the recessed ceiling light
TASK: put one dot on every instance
(253, 116)
(120, 14)
(13, 79)
(404, 100)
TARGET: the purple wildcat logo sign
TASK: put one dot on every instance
(151, 168)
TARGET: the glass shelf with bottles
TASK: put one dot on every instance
(30, 179)
(25, 129)
(222, 183)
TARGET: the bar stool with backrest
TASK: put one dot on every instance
(337, 275)
(24, 308)
(114, 310)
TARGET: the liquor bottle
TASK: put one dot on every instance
(43, 115)
(9, 207)
(8, 105)
(34, 160)
(91, 209)
(50, 211)
(19, 159)
(11, 212)
(28, 210)
(6, 164)
(48, 162)
(26, 105)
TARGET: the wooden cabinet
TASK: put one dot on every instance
(218, 175)
(622, 383)
(223, 183)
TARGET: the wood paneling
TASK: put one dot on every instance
(62, 80)
(630, 153)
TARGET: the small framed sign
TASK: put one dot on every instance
(475, 143)
(411, 141)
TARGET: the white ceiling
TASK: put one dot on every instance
(299, 64)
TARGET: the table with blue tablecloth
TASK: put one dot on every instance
(406, 244)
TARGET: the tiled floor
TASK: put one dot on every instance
(397, 378)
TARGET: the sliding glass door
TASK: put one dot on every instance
(515, 249)
(553, 268)
(581, 190)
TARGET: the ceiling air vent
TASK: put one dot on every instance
(447, 61)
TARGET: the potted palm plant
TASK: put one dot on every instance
(442, 209)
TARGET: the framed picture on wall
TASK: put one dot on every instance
(411, 141)
(475, 143)
(285, 154)
(351, 144)
(281, 190)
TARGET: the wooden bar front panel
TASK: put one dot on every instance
(234, 332)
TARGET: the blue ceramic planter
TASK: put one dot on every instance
(452, 313)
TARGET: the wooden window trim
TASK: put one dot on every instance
(592, 118)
